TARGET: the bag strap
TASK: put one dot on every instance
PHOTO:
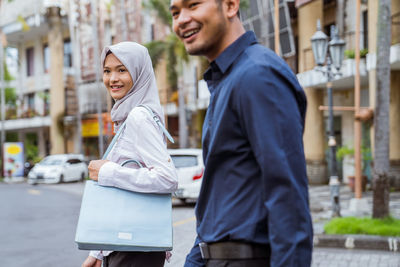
(159, 123)
(114, 140)
(155, 118)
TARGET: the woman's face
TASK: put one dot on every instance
(116, 77)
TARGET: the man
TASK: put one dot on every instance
(253, 204)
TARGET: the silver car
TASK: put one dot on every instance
(190, 168)
(59, 168)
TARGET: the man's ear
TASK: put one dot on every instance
(231, 7)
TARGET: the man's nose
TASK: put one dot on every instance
(184, 17)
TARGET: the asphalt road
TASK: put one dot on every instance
(37, 226)
(38, 223)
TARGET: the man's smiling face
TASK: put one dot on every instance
(200, 24)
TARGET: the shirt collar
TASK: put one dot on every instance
(229, 55)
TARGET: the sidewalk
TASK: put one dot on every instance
(320, 205)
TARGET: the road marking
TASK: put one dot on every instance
(34, 192)
(191, 219)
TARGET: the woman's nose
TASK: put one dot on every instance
(114, 76)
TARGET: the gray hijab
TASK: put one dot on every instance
(136, 59)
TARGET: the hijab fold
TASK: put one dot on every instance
(136, 59)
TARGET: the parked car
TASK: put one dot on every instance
(59, 168)
(190, 168)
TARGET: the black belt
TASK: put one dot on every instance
(233, 250)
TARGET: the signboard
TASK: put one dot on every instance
(90, 127)
(13, 159)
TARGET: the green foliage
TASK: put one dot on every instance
(350, 53)
(11, 96)
(363, 52)
(171, 48)
(346, 151)
(161, 7)
(156, 51)
(31, 149)
(7, 74)
(352, 225)
(108, 5)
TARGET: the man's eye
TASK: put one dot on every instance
(174, 14)
(193, 4)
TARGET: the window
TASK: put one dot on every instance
(31, 101)
(46, 58)
(183, 161)
(30, 61)
(46, 100)
(67, 54)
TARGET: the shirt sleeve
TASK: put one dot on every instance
(96, 254)
(142, 140)
(194, 259)
(270, 117)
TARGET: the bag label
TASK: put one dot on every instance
(126, 236)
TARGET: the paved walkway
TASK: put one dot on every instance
(354, 258)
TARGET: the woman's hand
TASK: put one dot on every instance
(94, 168)
(91, 262)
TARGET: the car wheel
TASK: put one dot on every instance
(61, 178)
(183, 200)
(82, 177)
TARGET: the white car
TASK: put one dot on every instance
(190, 168)
(59, 168)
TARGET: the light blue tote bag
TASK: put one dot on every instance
(120, 220)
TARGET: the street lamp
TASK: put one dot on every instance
(332, 56)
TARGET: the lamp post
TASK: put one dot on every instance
(333, 56)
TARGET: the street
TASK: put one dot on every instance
(38, 223)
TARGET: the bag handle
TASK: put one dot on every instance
(116, 137)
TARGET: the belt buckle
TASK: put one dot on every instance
(204, 250)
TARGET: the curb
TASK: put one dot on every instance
(369, 242)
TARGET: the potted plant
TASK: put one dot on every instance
(346, 155)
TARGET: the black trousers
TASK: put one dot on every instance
(134, 259)
(238, 263)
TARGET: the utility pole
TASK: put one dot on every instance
(75, 63)
(2, 88)
(276, 27)
(97, 69)
(183, 133)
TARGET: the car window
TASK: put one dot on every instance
(51, 161)
(74, 161)
(181, 161)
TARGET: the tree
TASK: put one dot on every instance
(171, 48)
(381, 120)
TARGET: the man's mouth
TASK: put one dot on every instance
(190, 33)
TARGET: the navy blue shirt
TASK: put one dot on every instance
(255, 186)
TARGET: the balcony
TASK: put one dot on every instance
(316, 79)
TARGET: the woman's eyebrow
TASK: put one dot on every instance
(118, 66)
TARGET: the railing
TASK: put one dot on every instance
(12, 114)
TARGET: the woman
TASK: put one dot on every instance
(129, 78)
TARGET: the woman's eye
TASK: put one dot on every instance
(174, 14)
(106, 71)
(193, 4)
(122, 70)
